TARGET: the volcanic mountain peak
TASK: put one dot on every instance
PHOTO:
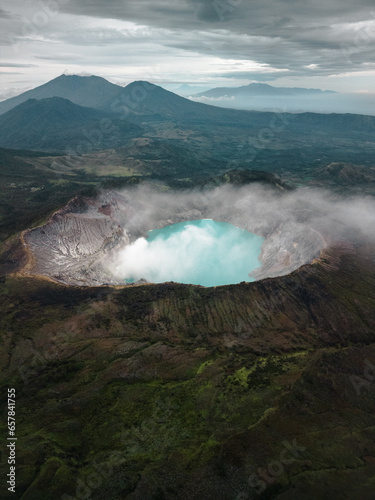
(138, 98)
(143, 83)
(147, 99)
(90, 91)
(146, 88)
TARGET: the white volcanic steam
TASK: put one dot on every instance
(89, 242)
(199, 252)
(296, 225)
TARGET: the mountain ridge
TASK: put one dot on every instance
(81, 90)
(263, 89)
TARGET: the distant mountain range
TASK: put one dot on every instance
(263, 97)
(136, 99)
(260, 89)
(89, 113)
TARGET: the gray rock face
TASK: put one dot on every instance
(72, 246)
(288, 247)
(75, 246)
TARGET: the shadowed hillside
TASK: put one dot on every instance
(173, 391)
(56, 124)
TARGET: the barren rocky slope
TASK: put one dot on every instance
(257, 390)
(260, 390)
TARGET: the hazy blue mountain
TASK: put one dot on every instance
(55, 124)
(263, 97)
(260, 89)
(146, 102)
(90, 91)
(136, 99)
(142, 98)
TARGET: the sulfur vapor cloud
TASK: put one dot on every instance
(208, 254)
(296, 226)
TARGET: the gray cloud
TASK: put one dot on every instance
(61, 57)
(4, 14)
(260, 40)
(284, 35)
(16, 65)
(252, 76)
(242, 15)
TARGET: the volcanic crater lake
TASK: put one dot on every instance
(201, 252)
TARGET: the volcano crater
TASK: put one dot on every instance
(80, 243)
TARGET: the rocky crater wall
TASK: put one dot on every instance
(76, 244)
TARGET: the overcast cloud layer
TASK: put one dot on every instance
(328, 44)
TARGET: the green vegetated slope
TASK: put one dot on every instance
(261, 390)
(162, 136)
(36, 184)
(29, 193)
(56, 124)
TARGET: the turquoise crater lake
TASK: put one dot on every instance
(201, 252)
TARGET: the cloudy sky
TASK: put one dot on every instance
(327, 44)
